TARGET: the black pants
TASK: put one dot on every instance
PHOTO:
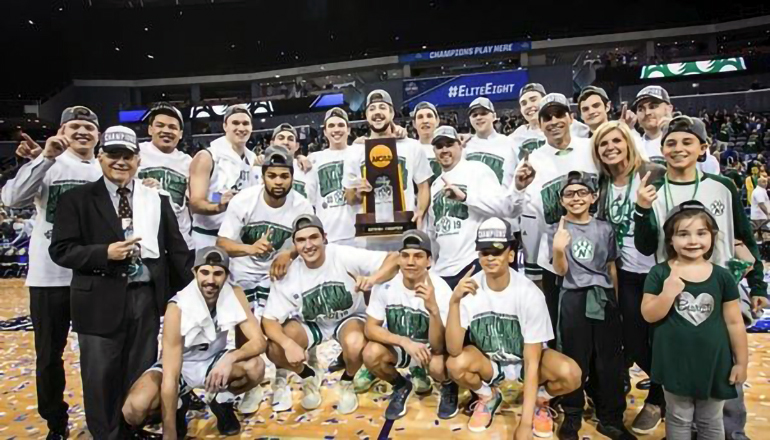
(50, 314)
(551, 287)
(637, 333)
(454, 280)
(597, 348)
(111, 363)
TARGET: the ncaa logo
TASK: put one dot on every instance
(582, 249)
(718, 208)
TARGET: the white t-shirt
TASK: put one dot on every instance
(498, 152)
(631, 260)
(710, 165)
(434, 165)
(500, 323)
(304, 183)
(651, 148)
(247, 218)
(338, 218)
(414, 169)
(404, 313)
(527, 139)
(325, 295)
(759, 195)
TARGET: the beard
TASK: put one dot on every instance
(277, 192)
(384, 128)
(202, 287)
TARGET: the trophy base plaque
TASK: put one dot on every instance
(367, 226)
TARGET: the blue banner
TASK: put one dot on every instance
(458, 90)
(493, 49)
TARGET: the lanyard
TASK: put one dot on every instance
(621, 227)
(670, 198)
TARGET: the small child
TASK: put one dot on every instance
(589, 330)
(700, 349)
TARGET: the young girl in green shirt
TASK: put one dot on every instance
(700, 349)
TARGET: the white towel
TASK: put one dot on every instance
(146, 207)
(197, 327)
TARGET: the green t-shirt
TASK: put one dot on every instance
(691, 353)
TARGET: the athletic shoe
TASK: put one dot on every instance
(398, 399)
(312, 358)
(196, 404)
(448, 405)
(251, 400)
(468, 410)
(181, 416)
(421, 381)
(311, 391)
(337, 364)
(484, 411)
(542, 422)
(348, 402)
(570, 427)
(647, 420)
(363, 380)
(58, 434)
(227, 421)
(282, 399)
(615, 431)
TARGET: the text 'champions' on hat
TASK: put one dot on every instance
(494, 233)
(118, 138)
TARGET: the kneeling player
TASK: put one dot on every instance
(195, 329)
(321, 298)
(414, 305)
(507, 322)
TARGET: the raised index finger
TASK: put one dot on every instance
(644, 179)
(561, 223)
(29, 140)
(469, 274)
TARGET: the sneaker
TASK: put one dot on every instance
(251, 400)
(468, 410)
(196, 404)
(484, 411)
(449, 404)
(647, 420)
(181, 416)
(363, 380)
(311, 391)
(615, 431)
(227, 422)
(348, 402)
(569, 428)
(58, 434)
(282, 399)
(421, 381)
(542, 422)
(398, 399)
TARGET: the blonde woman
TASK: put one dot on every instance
(621, 170)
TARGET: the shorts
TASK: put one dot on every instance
(194, 373)
(530, 240)
(202, 240)
(404, 359)
(505, 372)
(318, 333)
(257, 299)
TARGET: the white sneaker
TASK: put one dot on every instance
(311, 391)
(251, 400)
(282, 399)
(348, 400)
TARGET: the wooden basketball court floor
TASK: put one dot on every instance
(19, 418)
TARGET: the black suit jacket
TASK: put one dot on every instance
(86, 224)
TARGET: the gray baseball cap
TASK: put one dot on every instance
(493, 233)
(118, 138)
(651, 92)
(164, 108)
(278, 156)
(233, 109)
(444, 131)
(532, 87)
(79, 113)
(338, 112)
(416, 239)
(578, 178)
(212, 256)
(306, 221)
(481, 102)
(553, 99)
(686, 124)
(285, 127)
(592, 90)
(378, 95)
(423, 105)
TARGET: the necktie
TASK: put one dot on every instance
(126, 214)
(124, 207)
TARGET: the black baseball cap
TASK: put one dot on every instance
(494, 233)
(79, 113)
(416, 239)
(212, 256)
(578, 178)
(306, 221)
(164, 108)
(686, 124)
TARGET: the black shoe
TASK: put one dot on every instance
(626, 384)
(337, 365)
(141, 434)
(181, 416)
(569, 428)
(615, 431)
(227, 422)
(643, 384)
(196, 404)
(58, 434)
(448, 405)
(398, 399)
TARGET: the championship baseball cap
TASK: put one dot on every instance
(578, 178)
(481, 102)
(118, 138)
(592, 90)
(164, 108)
(532, 87)
(338, 112)
(686, 124)
(285, 127)
(79, 113)
(494, 233)
(551, 100)
(239, 108)
(212, 256)
(423, 105)
(306, 221)
(416, 239)
(278, 156)
(444, 131)
(651, 92)
(690, 205)
(378, 95)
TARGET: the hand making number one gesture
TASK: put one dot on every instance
(562, 237)
(646, 194)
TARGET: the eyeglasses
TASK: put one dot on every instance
(580, 193)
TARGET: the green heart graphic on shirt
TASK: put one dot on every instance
(695, 310)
